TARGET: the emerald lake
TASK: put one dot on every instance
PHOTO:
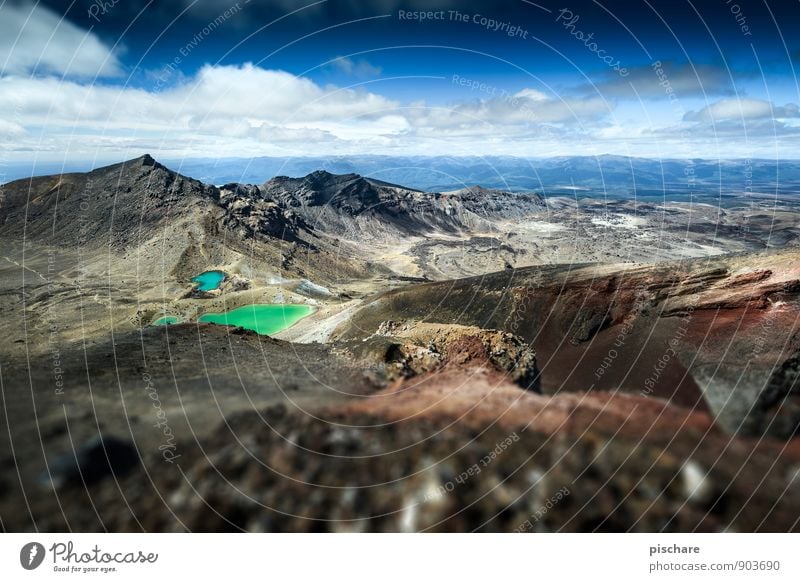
(263, 319)
(209, 280)
(167, 320)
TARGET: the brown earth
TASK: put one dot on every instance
(691, 332)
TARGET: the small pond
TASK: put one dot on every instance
(209, 280)
(264, 319)
(167, 320)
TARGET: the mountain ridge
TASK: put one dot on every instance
(618, 175)
(320, 200)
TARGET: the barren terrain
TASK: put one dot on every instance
(641, 356)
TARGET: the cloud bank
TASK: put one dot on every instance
(34, 39)
(64, 95)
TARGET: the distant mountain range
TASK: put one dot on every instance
(606, 175)
(143, 206)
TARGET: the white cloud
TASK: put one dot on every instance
(531, 94)
(355, 68)
(742, 109)
(222, 108)
(514, 113)
(215, 96)
(240, 110)
(34, 38)
(225, 111)
(11, 129)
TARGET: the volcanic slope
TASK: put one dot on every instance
(141, 214)
(116, 248)
(719, 333)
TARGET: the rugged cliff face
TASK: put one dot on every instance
(353, 206)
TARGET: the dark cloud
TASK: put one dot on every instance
(683, 79)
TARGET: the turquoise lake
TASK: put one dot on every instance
(209, 280)
(263, 319)
(167, 320)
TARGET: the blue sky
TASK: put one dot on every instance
(214, 78)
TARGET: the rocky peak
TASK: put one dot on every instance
(321, 188)
(147, 160)
(324, 179)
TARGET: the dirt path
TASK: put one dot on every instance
(319, 326)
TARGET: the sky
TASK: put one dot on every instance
(94, 80)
